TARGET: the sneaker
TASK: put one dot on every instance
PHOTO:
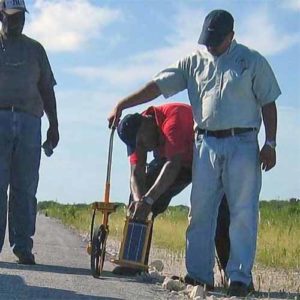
(126, 271)
(239, 289)
(25, 259)
(187, 279)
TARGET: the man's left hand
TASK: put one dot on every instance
(267, 158)
(139, 210)
(52, 136)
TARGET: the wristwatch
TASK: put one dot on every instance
(147, 199)
(271, 144)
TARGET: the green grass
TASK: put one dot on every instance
(279, 234)
(278, 238)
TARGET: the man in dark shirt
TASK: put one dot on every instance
(167, 131)
(26, 92)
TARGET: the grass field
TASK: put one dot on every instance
(278, 240)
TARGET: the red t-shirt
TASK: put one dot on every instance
(175, 120)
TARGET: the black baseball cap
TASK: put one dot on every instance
(217, 24)
(11, 7)
(127, 130)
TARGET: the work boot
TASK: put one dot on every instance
(126, 271)
(239, 289)
(24, 258)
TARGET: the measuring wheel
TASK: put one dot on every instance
(98, 250)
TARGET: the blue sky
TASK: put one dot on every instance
(101, 51)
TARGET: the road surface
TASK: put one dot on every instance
(63, 271)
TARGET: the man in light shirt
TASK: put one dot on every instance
(231, 89)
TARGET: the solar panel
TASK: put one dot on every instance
(134, 244)
(135, 240)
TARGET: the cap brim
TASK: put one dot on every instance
(210, 38)
(12, 11)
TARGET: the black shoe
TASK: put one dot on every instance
(239, 289)
(251, 288)
(187, 279)
(25, 258)
(126, 271)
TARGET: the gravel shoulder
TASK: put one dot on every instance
(270, 283)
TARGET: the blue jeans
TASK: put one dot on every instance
(20, 153)
(183, 179)
(231, 166)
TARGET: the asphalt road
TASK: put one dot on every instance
(63, 272)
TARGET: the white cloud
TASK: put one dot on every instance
(68, 25)
(142, 67)
(291, 4)
(260, 32)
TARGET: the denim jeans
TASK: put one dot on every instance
(20, 152)
(231, 166)
(183, 179)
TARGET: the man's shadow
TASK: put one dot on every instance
(220, 292)
(14, 287)
(45, 268)
(62, 270)
(277, 295)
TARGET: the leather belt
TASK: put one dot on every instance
(12, 108)
(224, 133)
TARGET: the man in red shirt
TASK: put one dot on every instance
(167, 130)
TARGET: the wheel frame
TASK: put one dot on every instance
(98, 244)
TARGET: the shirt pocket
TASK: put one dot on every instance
(237, 81)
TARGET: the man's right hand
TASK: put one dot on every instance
(114, 116)
(139, 211)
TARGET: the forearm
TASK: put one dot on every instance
(149, 92)
(49, 102)
(269, 113)
(137, 183)
(165, 179)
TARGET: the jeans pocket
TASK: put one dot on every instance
(247, 137)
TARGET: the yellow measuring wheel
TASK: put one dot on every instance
(98, 235)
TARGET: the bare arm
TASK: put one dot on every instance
(269, 113)
(149, 92)
(138, 175)
(267, 153)
(49, 102)
(137, 181)
(167, 176)
(141, 209)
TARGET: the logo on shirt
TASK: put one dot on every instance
(243, 64)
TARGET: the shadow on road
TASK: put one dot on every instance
(14, 287)
(220, 292)
(46, 268)
(278, 295)
(61, 270)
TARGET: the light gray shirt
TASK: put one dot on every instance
(226, 91)
(24, 72)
